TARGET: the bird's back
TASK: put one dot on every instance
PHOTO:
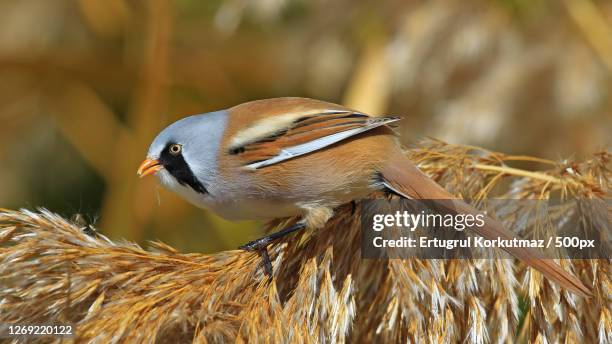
(330, 175)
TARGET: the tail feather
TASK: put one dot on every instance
(407, 180)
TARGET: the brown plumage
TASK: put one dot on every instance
(302, 157)
(409, 181)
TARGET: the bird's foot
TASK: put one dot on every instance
(256, 245)
(267, 263)
(261, 245)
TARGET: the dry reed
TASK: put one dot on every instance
(54, 270)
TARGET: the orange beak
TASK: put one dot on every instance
(149, 166)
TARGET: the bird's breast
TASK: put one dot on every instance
(251, 209)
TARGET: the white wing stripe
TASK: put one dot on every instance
(268, 126)
(322, 142)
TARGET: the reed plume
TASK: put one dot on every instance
(55, 270)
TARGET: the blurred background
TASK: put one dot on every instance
(86, 85)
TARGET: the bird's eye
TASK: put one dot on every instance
(175, 149)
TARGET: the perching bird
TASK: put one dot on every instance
(285, 157)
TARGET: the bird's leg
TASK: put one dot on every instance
(261, 245)
(267, 264)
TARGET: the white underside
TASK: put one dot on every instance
(230, 208)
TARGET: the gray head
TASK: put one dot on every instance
(184, 154)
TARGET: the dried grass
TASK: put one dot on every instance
(54, 270)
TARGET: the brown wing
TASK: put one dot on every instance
(301, 135)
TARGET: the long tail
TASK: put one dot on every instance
(404, 178)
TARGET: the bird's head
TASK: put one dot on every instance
(184, 155)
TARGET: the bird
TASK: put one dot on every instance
(301, 157)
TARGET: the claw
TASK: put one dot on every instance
(261, 245)
(267, 264)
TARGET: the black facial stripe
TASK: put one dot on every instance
(178, 168)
